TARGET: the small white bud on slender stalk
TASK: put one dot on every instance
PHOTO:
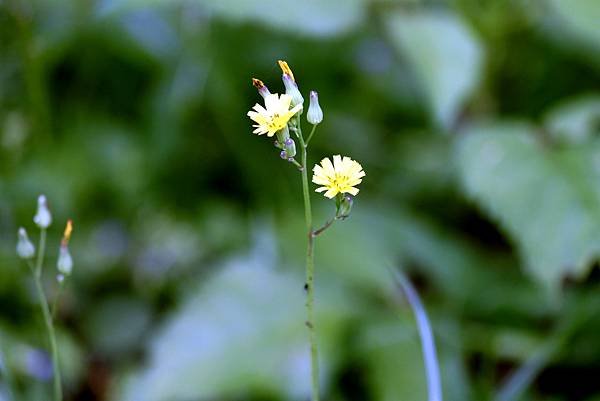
(314, 114)
(65, 261)
(25, 248)
(43, 217)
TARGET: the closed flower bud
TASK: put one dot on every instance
(344, 206)
(315, 114)
(42, 218)
(25, 248)
(261, 87)
(65, 262)
(291, 89)
(289, 146)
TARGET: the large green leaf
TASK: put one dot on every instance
(312, 17)
(548, 200)
(242, 331)
(445, 56)
(575, 121)
(579, 18)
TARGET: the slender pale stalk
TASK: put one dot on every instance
(8, 378)
(311, 134)
(37, 278)
(40, 257)
(310, 270)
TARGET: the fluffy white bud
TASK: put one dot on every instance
(25, 248)
(65, 262)
(42, 218)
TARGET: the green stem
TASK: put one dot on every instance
(311, 133)
(57, 299)
(37, 277)
(310, 271)
(40, 257)
(328, 224)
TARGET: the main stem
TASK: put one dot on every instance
(37, 277)
(310, 273)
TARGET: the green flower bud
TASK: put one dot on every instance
(25, 248)
(343, 203)
(315, 114)
(289, 146)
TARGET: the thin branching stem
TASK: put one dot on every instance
(312, 131)
(295, 163)
(325, 226)
(310, 270)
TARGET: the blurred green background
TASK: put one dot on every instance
(477, 122)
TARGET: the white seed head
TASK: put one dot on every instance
(65, 262)
(25, 248)
(315, 114)
(43, 217)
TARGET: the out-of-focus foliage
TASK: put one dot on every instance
(476, 121)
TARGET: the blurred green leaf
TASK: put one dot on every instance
(243, 330)
(575, 121)
(579, 17)
(548, 200)
(445, 56)
(393, 360)
(312, 17)
(117, 324)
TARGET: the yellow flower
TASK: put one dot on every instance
(340, 177)
(274, 116)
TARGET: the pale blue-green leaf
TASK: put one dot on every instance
(548, 200)
(311, 17)
(445, 56)
(575, 121)
(579, 18)
(241, 331)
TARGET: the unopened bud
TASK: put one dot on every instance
(283, 155)
(65, 262)
(261, 87)
(42, 218)
(290, 147)
(314, 114)
(25, 248)
(291, 88)
(344, 206)
(67, 233)
(285, 68)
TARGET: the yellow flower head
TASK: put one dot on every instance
(274, 116)
(340, 177)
